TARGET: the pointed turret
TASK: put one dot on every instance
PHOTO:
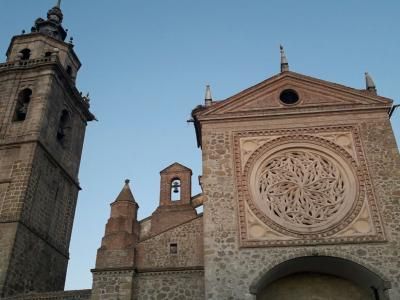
(122, 232)
(369, 83)
(52, 26)
(117, 255)
(208, 98)
(284, 61)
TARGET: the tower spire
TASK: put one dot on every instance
(58, 4)
(284, 61)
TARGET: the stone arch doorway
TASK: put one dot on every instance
(317, 278)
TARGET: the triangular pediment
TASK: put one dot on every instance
(175, 167)
(313, 94)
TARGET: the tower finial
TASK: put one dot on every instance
(369, 83)
(208, 97)
(284, 61)
(53, 25)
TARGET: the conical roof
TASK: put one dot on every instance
(126, 193)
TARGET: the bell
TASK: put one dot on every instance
(175, 186)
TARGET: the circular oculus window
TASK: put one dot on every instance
(289, 97)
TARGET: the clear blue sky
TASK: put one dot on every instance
(145, 64)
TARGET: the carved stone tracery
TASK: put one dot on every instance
(301, 188)
(304, 187)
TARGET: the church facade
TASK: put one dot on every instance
(300, 191)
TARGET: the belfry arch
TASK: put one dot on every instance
(320, 274)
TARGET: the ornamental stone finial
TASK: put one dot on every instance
(284, 61)
(52, 26)
(208, 97)
(369, 83)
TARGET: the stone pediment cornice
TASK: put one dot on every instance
(278, 113)
(316, 96)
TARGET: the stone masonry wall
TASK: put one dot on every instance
(178, 285)
(69, 152)
(44, 201)
(36, 265)
(15, 162)
(38, 177)
(64, 295)
(154, 253)
(50, 201)
(158, 273)
(113, 284)
(8, 231)
(231, 270)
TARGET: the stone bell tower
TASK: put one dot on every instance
(43, 118)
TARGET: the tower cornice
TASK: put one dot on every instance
(54, 62)
(52, 39)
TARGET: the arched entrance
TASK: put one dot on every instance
(317, 278)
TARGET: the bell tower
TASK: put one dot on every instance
(43, 118)
(175, 199)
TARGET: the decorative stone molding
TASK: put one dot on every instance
(113, 271)
(60, 295)
(331, 252)
(304, 186)
(171, 272)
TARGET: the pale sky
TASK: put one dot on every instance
(146, 64)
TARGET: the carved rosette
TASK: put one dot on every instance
(304, 187)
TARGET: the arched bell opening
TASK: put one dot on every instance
(175, 189)
(320, 277)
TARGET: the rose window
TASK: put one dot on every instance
(303, 190)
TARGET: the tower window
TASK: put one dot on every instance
(173, 248)
(63, 126)
(47, 54)
(21, 109)
(26, 54)
(175, 190)
(69, 70)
